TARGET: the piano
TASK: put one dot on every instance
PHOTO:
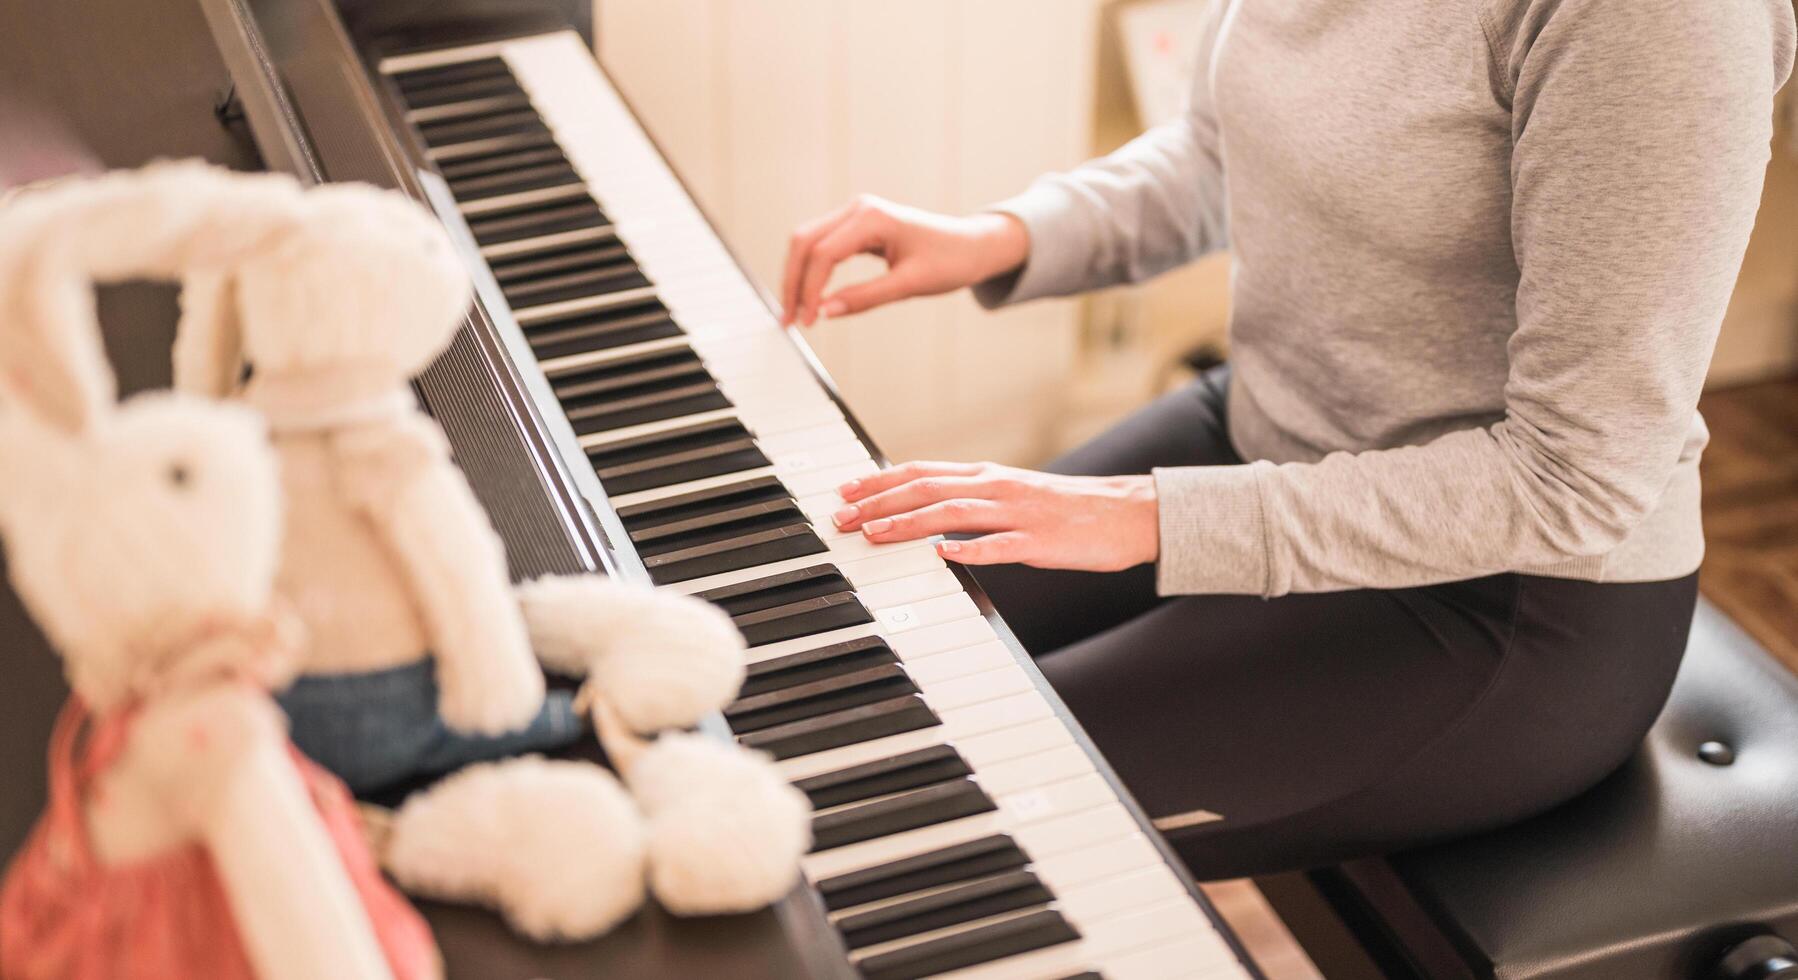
(624, 401)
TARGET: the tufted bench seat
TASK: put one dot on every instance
(1674, 864)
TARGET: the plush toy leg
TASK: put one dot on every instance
(557, 847)
(664, 660)
(725, 831)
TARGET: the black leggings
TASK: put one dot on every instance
(1329, 726)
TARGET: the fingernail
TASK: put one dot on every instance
(879, 525)
(848, 488)
(844, 516)
(949, 547)
(835, 307)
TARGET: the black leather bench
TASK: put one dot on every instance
(1681, 866)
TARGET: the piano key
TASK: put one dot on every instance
(457, 71)
(988, 685)
(538, 218)
(851, 823)
(959, 663)
(675, 456)
(910, 589)
(427, 97)
(817, 663)
(801, 618)
(891, 774)
(858, 724)
(1016, 775)
(962, 902)
(615, 326)
(889, 561)
(720, 497)
(989, 854)
(548, 174)
(778, 590)
(748, 551)
(965, 945)
(964, 729)
(505, 121)
(956, 634)
(806, 700)
(474, 107)
(487, 147)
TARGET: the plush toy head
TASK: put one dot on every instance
(128, 529)
(358, 292)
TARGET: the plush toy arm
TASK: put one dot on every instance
(489, 680)
(296, 911)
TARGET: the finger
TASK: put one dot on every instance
(892, 476)
(867, 295)
(948, 517)
(914, 494)
(801, 242)
(1003, 548)
(861, 233)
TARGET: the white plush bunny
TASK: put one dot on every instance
(183, 834)
(394, 567)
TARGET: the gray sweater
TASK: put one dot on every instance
(1481, 252)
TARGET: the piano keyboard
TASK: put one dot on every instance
(960, 828)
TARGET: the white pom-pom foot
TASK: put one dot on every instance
(725, 830)
(557, 847)
(662, 660)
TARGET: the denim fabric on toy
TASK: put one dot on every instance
(379, 728)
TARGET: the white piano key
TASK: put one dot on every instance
(605, 355)
(1072, 869)
(994, 715)
(1200, 956)
(912, 588)
(599, 440)
(828, 478)
(586, 304)
(940, 667)
(1144, 926)
(811, 437)
(1015, 775)
(676, 489)
(518, 246)
(946, 636)
(1029, 738)
(926, 613)
(500, 202)
(988, 685)
(859, 568)
(1097, 899)
(802, 460)
(781, 648)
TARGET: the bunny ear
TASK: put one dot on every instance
(209, 340)
(52, 357)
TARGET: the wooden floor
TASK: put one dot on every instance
(1751, 511)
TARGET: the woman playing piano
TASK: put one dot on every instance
(1421, 560)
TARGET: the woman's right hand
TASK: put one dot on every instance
(925, 253)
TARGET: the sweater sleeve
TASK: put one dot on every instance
(1640, 137)
(1153, 204)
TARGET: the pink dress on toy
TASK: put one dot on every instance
(65, 916)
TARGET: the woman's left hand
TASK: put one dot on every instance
(1085, 523)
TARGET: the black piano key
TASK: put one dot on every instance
(840, 728)
(775, 590)
(1084, 975)
(716, 525)
(693, 503)
(819, 697)
(883, 817)
(528, 178)
(729, 555)
(491, 87)
(481, 126)
(890, 775)
(807, 617)
(816, 664)
(932, 869)
(500, 163)
(978, 899)
(470, 109)
(614, 326)
(650, 405)
(980, 942)
(554, 259)
(596, 280)
(458, 71)
(660, 459)
(636, 389)
(534, 219)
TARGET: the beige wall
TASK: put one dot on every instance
(777, 110)
(1760, 332)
